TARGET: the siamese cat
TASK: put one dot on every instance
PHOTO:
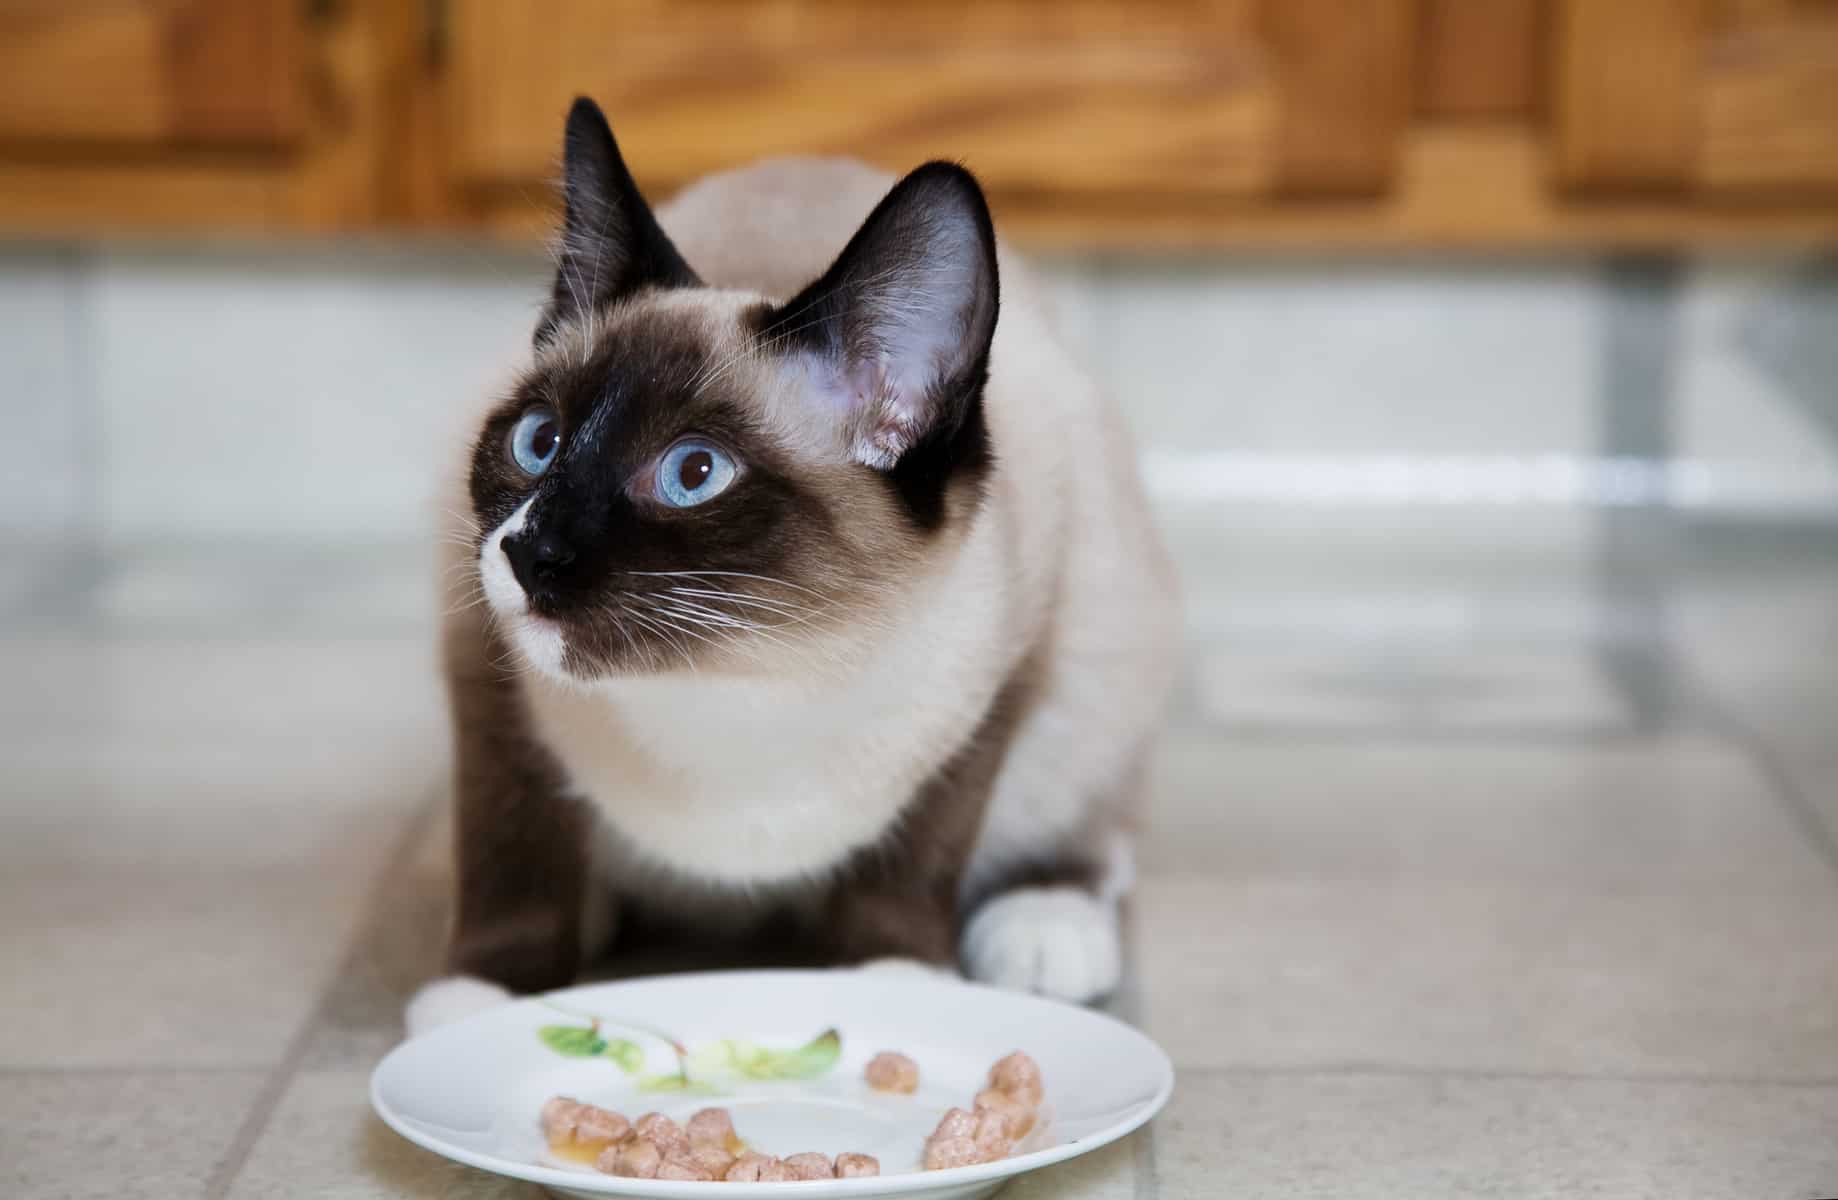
(805, 585)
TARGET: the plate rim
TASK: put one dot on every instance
(670, 1189)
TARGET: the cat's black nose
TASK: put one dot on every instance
(538, 560)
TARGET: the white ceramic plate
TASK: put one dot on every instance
(472, 1090)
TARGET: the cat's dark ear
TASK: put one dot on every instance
(611, 243)
(898, 329)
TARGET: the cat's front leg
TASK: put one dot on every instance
(903, 899)
(521, 915)
(893, 920)
(1058, 938)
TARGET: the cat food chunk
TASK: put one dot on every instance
(662, 1132)
(953, 1143)
(683, 1168)
(850, 1165)
(634, 1159)
(746, 1168)
(581, 1132)
(1018, 1075)
(941, 1154)
(565, 1119)
(600, 1125)
(810, 1165)
(955, 1123)
(713, 1159)
(558, 1117)
(712, 1127)
(992, 1137)
(963, 1138)
(889, 1071)
(774, 1170)
(1019, 1113)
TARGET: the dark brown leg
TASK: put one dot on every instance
(900, 898)
(893, 918)
(521, 844)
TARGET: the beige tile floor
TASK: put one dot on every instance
(1420, 917)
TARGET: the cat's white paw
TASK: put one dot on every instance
(907, 966)
(1059, 941)
(447, 1000)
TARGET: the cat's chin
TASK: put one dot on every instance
(539, 644)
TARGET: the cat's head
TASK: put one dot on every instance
(689, 477)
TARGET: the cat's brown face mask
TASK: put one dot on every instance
(688, 477)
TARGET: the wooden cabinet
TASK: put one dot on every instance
(216, 116)
(1727, 99)
(1090, 100)
(148, 74)
(1473, 124)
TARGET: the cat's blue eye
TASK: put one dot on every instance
(535, 438)
(692, 472)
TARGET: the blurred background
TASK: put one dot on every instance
(1483, 357)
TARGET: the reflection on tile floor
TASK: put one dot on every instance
(1423, 913)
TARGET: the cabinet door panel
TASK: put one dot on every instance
(1224, 98)
(1481, 58)
(150, 73)
(1726, 98)
(1770, 106)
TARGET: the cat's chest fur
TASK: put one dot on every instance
(777, 779)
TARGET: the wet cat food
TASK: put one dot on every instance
(890, 1071)
(663, 1133)
(857, 1166)
(1018, 1075)
(581, 1132)
(1001, 1115)
(634, 1158)
(810, 1165)
(707, 1148)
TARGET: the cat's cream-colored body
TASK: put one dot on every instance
(758, 779)
(1021, 655)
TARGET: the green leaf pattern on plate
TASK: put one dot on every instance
(677, 1083)
(752, 1061)
(571, 1040)
(702, 1064)
(630, 1058)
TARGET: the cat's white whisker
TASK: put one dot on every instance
(784, 583)
(466, 605)
(666, 621)
(737, 620)
(718, 622)
(713, 614)
(801, 612)
(625, 611)
(681, 649)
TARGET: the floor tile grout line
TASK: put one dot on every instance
(1129, 1004)
(83, 303)
(262, 1110)
(132, 1068)
(1753, 744)
(1145, 1172)
(1379, 1070)
(1641, 298)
